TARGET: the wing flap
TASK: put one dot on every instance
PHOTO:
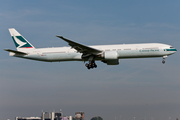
(81, 48)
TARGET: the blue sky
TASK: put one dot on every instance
(141, 88)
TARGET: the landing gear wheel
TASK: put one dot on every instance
(91, 64)
(86, 64)
(163, 61)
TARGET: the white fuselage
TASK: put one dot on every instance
(123, 51)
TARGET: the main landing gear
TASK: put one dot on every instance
(91, 64)
(164, 57)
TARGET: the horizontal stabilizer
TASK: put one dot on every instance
(16, 52)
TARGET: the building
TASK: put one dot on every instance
(79, 115)
(47, 116)
(27, 118)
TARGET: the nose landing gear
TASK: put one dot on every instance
(164, 57)
(163, 61)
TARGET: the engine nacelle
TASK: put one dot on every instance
(111, 62)
(110, 58)
(110, 55)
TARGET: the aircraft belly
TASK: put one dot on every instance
(54, 57)
(61, 57)
(34, 57)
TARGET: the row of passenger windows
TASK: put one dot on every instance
(135, 49)
(116, 49)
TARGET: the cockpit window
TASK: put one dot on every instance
(171, 47)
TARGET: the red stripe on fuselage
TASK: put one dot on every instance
(27, 47)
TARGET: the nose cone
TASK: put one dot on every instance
(171, 50)
(174, 50)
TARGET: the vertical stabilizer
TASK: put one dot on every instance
(19, 41)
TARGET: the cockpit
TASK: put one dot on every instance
(171, 49)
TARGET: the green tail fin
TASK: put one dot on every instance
(19, 41)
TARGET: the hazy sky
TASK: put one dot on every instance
(140, 88)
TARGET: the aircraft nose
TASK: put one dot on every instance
(171, 50)
(174, 50)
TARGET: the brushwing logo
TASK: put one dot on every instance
(20, 43)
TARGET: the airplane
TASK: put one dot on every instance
(109, 54)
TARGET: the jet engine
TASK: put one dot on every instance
(111, 62)
(110, 55)
(110, 58)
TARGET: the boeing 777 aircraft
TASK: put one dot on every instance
(109, 54)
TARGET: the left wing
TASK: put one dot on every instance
(81, 48)
(16, 52)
